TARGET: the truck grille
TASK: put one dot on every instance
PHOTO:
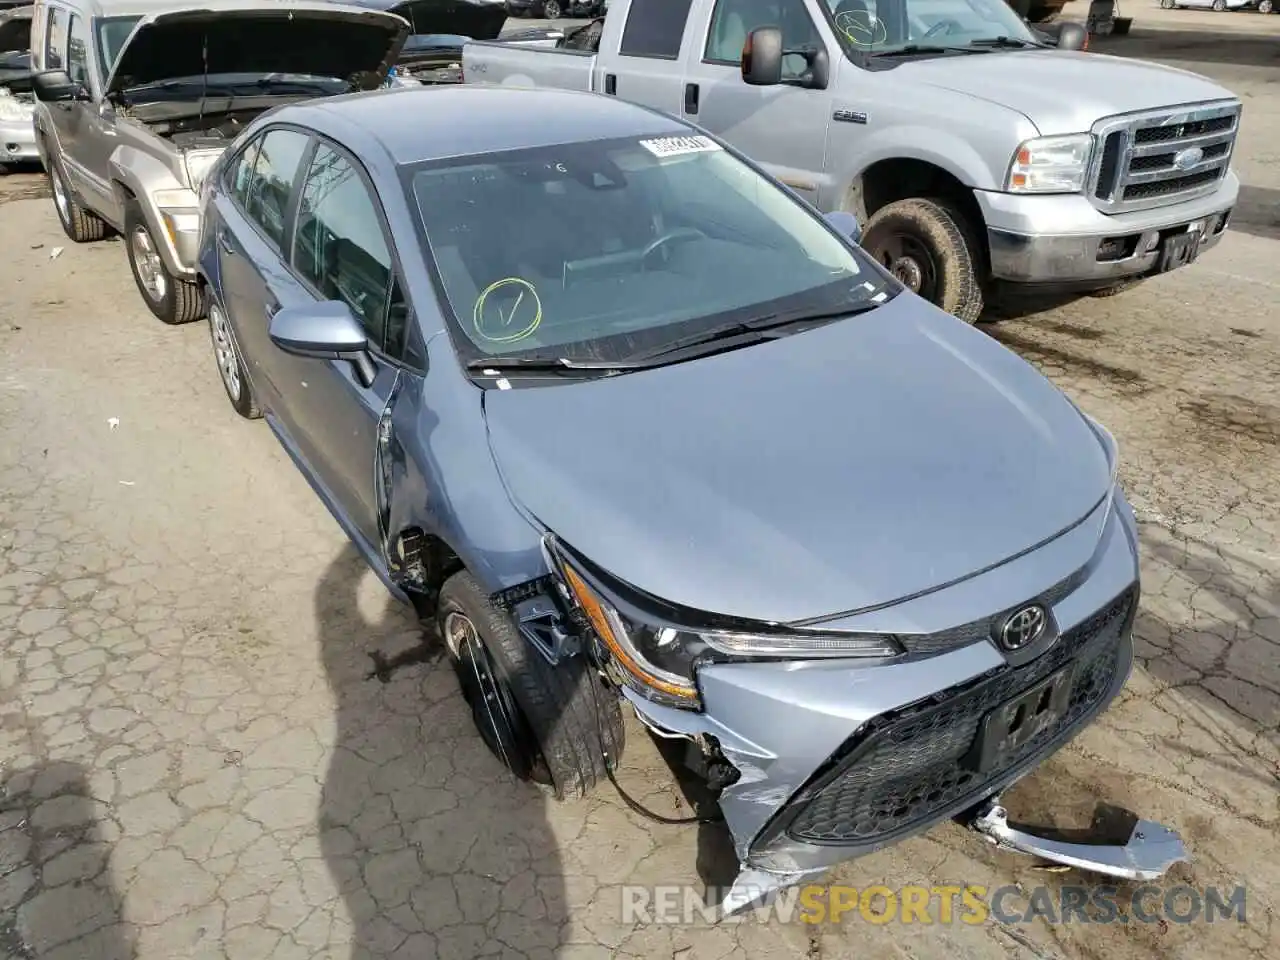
(1153, 159)
(914, 765)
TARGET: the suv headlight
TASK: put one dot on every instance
(1051, 164)
(660, 660)
(11, 108)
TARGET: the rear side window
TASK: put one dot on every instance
(271, 183)
(654, 28)
(55, 40)
(339, 245)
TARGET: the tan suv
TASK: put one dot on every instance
(137, 98)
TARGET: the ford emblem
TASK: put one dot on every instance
(1188, 158)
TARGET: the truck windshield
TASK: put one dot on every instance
(888, 26)
(608, 250)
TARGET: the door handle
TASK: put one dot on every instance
(690, 98)
(611, 83)
(225, 243)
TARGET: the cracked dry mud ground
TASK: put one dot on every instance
(193, 763)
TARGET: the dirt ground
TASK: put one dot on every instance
(194, 762)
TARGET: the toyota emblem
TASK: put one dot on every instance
(1024, 627)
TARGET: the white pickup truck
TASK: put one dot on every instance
(974, 153)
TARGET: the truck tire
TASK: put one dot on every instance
(77, 223)
(552, 725)
(1167, 4)
(929, 246)
(170, 298)
(1219, 5)
(1116, 288)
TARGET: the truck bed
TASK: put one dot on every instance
(496, 62)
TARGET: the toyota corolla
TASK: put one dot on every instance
(641, 430)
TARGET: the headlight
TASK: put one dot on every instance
(14, 109)
(1051, 165)
(198, 164)
(660, 661)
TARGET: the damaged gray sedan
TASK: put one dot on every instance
(640, 429)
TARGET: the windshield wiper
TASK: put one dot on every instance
(913, 48)
(765, 327)
(545, 365)
(1010, 42)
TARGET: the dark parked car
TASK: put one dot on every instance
(554, 9)
(636, 426)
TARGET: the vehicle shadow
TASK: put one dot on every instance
(57, 900)
(1192, 46)
(436, 849)
(1257, 211)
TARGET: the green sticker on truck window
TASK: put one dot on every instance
(676, 146)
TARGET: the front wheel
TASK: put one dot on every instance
(552, 725)
(1219, 5)
(1266, 6)
(77, 223)
(172, 299)
(1167, 4)
(928, 245)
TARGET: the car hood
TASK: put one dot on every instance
(476, 19)
(1064, 91)
(842, 468)
(15, 30)
(246, 36)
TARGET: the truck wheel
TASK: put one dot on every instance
(1266, 6)
(928, 245)
(78, 224)
(1116, 288)
(172, 300)
(552, 725)
(551, 10)
(1219, 5)
(1168, 4)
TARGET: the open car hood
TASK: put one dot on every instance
(244, 36)
(477, 19)
(15, 30)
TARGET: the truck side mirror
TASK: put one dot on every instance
(55, 86)
(762, 57)
(1072, 36)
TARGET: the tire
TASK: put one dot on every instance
(562, 721)
(78, 224)
(1266, 6)
(551, 10)
(172, 300)
(230, 366)
(928, 245)
(1219, 5)
(1166, 4)
(1116, 288)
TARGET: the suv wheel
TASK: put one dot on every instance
(928, 245)
(172, 300)
(230, 367)
(552, 725)
(77, 223)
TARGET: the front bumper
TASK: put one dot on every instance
(839, 759)
(18, 141)
(1065, 240)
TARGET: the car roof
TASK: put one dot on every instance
(434, 122)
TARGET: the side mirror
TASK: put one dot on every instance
(1072, 36)
(845, 224)
(762, 57)
(55, 86)
(324, 331)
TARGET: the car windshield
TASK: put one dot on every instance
(112, 33)
(612, 249)
(892, 26)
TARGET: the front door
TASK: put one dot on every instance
(783, 127)
(342, 251)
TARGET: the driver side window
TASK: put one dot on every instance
(732, 20)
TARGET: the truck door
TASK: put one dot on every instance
(647, 66)
(784, 127)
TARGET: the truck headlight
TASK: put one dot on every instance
(1051, 164)
(659, 661)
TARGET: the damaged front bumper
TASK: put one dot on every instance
(839, 759)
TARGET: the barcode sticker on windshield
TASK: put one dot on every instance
(675, 146)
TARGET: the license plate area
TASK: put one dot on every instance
(1007, 728)
(1180, 249)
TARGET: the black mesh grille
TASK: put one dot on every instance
(1199, 128)
(1159, 188)
(913, 764)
